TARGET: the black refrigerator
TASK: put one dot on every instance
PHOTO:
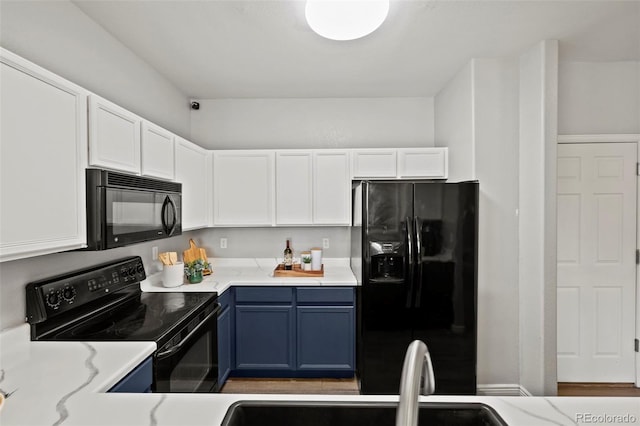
(415, 254)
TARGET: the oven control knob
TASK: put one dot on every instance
(53, 299)
(139, 268)
(69, 294)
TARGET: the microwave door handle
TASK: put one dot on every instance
(163, 213)
(178, 347)
(174, 215)
(168, 202)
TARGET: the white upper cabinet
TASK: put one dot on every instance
(407, 163)
(331, 187)
(374, 163)
(191, 166)
(431, 163)
(43, 156)
(243, 188)
(294, 178)
(157, 152)
(114, 136)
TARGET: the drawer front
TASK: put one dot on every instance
(264, 294)
(325, 295)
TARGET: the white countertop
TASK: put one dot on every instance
(248, 272)
(64, 383)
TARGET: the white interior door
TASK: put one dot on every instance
(596, 262)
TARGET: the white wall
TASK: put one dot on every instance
(16, 274)
(454, 124)
(59, 37)
(313, 123)
(270, 242)
(537, 236)
(476, 116)
(599, 97)
(495, 108)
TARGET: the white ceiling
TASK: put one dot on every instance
(264, 49)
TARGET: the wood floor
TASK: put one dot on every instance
(597, 389)
(292, 386)
(350, 387)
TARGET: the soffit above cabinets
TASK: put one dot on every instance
(265, 49)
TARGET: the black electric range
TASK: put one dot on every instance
(104, 303)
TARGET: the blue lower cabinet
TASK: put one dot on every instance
(294, 332)
(225, 336)
(138, 381)
(326, 339)
(264, 337)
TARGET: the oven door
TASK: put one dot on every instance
(137, 215)
(191, 364)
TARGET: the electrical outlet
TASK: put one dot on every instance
(154, 253)
(223, 243)
(325, 243)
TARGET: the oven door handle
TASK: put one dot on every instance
(178, 347)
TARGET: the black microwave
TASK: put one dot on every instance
(124, 209)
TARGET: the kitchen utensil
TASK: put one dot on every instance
(164, 258)
(194, 253)
(168, 257)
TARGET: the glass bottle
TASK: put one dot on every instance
(288, 257)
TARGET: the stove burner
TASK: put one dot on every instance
(129, 328)
(124, 325)
(92, 330)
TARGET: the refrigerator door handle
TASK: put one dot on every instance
(410, 261)
(418, 266)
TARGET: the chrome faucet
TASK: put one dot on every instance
(417, 378)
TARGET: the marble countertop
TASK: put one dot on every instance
(229, 272)
(64, 383)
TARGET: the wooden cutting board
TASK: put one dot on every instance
(194, 253)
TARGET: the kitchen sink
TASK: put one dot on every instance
(304, 413)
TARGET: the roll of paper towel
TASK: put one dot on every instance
(316, 259)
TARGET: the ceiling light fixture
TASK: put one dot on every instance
(345, 19)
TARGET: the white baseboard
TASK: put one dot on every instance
(502, 390)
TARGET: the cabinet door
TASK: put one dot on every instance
(224, 346)
(265, 337)
(114, 136)
(374, 163)
(225, 336)
(43, 156)
(331, 188)
(138, 381)
(244, 186)
(157, 151)
(191, 171)
(293, 188)
(423, 163)
(326, 338)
